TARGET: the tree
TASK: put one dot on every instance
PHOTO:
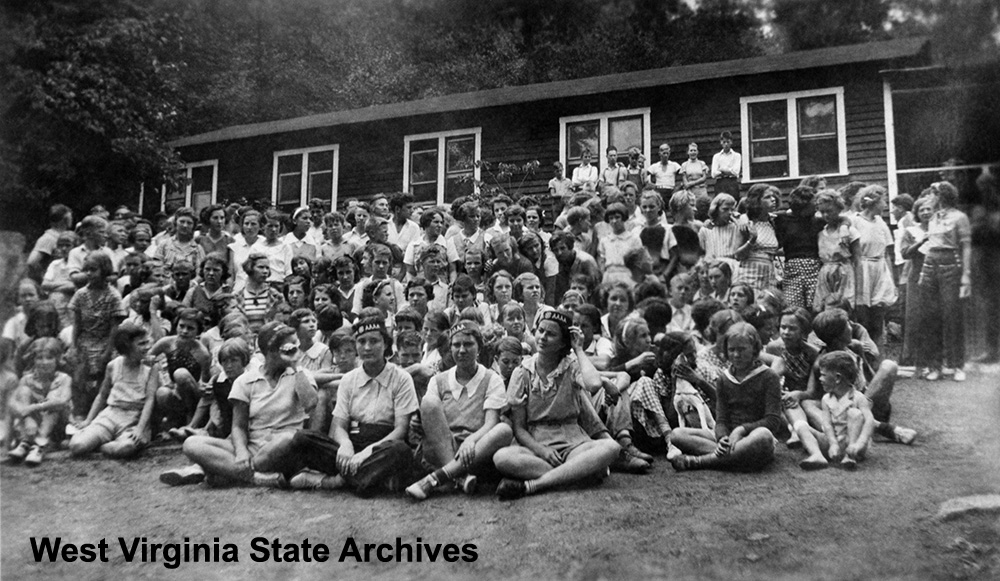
(90, 91)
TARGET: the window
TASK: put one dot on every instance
(595, 133)
(794, 134)
(303, 174)
(200, 191)
(439, 167)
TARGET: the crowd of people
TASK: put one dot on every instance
(539, 342)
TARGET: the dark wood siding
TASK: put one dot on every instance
(371, 154)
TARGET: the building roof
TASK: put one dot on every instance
(808, 59)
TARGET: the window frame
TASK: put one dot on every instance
(188, 171)
(792, 125)
(304, 177)
(604, 135)
(442, 137)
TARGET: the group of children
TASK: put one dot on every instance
(364, 350)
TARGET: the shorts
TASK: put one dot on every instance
(113, 422)
(564, 438)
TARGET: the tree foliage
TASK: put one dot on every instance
(94, 89)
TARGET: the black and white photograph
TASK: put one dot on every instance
(500, 289)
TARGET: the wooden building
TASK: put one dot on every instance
(828, 111)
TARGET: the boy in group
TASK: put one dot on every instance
(402, 230)
(614, 174)
(560, 186)
(662, 175)
(682, 287)
(833, 327)
(585, 176)
(381, 263)
(334, 246)
(847, 418)
(571, 261)
(726, 167)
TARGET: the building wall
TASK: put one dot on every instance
(371, 154)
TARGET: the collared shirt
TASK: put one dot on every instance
(548, 398)
(316, 357)
(403, 236)
(76, 256)
(375, 400)
(464, 405)
(614, 175)
(413, 249)
(948, 230)
(731, 162)
(173, 250)
(585, 174)
(279, 258)
(306, 246)
(274, 409)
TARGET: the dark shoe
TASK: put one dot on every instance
(183, 476)
(629, 464)
(634, 452)
(510, 489)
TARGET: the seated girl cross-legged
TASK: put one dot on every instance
(366, 449)
(552, 448)
(748, 412)
(460, 416)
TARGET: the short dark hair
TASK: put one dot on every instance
(399, 200)
(839, 362)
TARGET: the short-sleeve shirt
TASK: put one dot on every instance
(174, 250)
(948, 230)
(96, 310)
(695, 170)
(58, 391)
(375, 400)
(77, 255)
(412, 253)
(464, 405)
(272, 409)
(550, 398)
(664, 177)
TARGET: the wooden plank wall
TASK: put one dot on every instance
(371, 154)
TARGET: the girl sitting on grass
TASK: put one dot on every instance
(119, 421)
(39, 404)
(748, 412)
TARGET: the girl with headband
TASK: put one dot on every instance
(460, 416)
(547, 404)
(366, 449)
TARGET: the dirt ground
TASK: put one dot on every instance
(875, 523)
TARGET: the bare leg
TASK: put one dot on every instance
(751, 453)
(694, 441)
(814, 459)
(216, 456)
(586, 459)
(438, 442)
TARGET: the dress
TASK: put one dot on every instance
(873, 284)
(837, 273)
(551, 402)
(757, 269)
(95, 310)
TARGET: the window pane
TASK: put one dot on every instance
(423, 166)
(455, 187)
(290, 164)
(818, 156)
(460, 154)
(424, 192)
(201, 200)
(582, 136)
(625, 132)
(321, 185)
(817, 116)
(770, 150)
(768, 120)
(289, 189)
(320, 161)
(201, 178)
(770, 169)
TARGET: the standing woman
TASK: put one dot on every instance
(270, 404)
(240, 249)
(875, 290)
(460, 415)
(366, 449)
(946, 277)
(760, 244)
(279, 254)
(918, 344)
(721, 238)
(838, 251)
(547, 399)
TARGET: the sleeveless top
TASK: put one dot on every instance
(128, 388)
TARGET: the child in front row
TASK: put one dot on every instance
(119, 420)
(847, 418)
(40, 403)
